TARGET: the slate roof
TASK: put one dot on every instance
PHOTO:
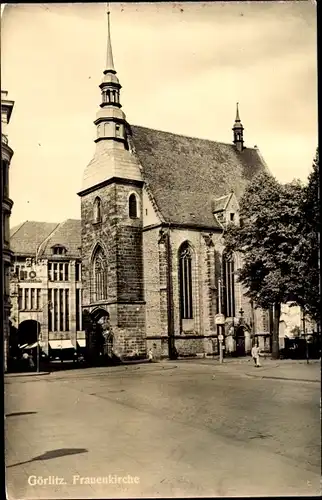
(186, 174)
(67, 234)
(31, 236)
(27, 236)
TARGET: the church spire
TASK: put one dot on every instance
(238, 130)
(110, 119)
(109, 54)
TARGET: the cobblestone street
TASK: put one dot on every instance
(180, 428)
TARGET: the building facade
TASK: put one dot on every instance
(6, 206)
(154, 206)
(46, 286)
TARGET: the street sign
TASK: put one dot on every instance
(220, 319)
(220, 338)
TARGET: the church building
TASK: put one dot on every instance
(154, 206)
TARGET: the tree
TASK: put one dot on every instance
(271, 221)
(307, 252)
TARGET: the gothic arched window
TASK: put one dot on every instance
(97, 210)
(185, 280)
(133, 208)
(228, 285)
(99, 275)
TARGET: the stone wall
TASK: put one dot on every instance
(121, 239)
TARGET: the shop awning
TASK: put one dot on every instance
(81, 342)
(61, 344)
(32, 346)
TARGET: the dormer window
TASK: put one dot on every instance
(97, 211)
(232, 217)
(59, 250)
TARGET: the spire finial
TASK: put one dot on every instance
(109, 54)
(237, 113)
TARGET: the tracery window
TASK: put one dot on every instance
(229, 285)
(185, 278)
(99, 275)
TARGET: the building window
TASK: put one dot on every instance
(78, 310)
(33, 298)
(66, 269)
(5, 178)
(26, 297)
(61, 310)
(185, 278)
(58, 310)
(78, 271)
(99, 274)
(117, 130)
(55, 310)
(232, 217)
(229, 285)
(133, 209)
(38, 298)
(50, 310)
(21, 273)
(67, 309)
(58, 271)
(97, 211)
(20, 299)
(59, 250)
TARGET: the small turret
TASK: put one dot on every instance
(238, 130)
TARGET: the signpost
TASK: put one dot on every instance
(220, 321)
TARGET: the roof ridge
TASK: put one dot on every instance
(192, 137)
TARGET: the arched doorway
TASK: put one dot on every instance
(28, 332)
(102, 320)
(99, 336)
(240, 341)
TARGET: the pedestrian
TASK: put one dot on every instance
(150, 355)
(25, 360)
(31, 362)
(255, 355)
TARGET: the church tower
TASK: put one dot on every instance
(238, 130)
(111, 214)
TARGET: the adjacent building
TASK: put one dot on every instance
(46, 286)
(154, 206)
(6, 206)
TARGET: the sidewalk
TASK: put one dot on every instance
(296, 370)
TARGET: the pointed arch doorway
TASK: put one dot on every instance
(100, 338)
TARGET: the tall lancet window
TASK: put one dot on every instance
(185, 279)
(133, 207)
(99, 275)
(229, 285)
(97, 210)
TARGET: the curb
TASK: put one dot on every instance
(27, 374)
(283, 378)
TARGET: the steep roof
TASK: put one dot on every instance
(26, 237)
(31, 236)
(67, 234)
(186, 174)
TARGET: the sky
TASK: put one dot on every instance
(182, 68)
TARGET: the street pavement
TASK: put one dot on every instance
(171, 429)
